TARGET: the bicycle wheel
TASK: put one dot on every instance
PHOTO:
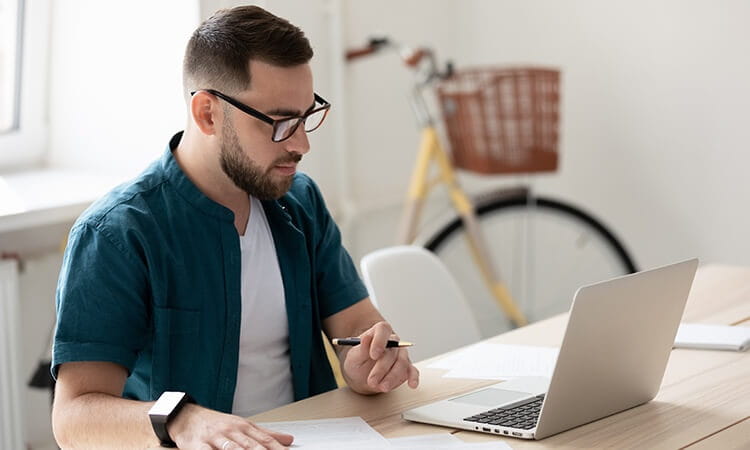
(544, 250)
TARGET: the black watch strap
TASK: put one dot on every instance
(164, 411)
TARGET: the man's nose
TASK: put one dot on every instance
(298, 143)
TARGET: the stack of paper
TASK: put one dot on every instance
(353, 432)
(712, 337)
(489, 361)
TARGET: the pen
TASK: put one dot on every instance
(355, 341)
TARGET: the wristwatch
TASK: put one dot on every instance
(164, 410)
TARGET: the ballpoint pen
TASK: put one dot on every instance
(356, 341)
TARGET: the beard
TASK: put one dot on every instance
(249, 176)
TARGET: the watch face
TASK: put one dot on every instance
(166, 403)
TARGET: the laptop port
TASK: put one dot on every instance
(515, 433)
(505, 431)
(486, 429)
(497, 431)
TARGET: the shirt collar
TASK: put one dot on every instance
(186, 188)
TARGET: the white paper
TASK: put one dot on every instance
(712, 337)
(443, 442)
(355, 433)
(455, 360)
(488, 361)
(429, 441)
(344, 433)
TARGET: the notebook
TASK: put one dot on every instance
(712, 337)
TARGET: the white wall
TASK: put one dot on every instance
(116, 81)
(654, 108)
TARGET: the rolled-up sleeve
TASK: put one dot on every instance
(101, 300)
(338, 283)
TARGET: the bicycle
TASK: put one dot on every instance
(500, 121)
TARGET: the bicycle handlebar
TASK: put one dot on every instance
(420, 60)
(373, 46)
(411, 57)
(414, 57)
(354, 53)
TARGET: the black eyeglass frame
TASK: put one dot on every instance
(325, 105)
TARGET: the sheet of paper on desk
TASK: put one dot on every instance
(712, 337)
(333, 434)
(443, 441)
(489, 361)
(355, 433)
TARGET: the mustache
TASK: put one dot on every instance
(291, 158)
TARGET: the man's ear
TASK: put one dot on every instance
(205, 110)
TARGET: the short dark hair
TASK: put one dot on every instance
(219, 51)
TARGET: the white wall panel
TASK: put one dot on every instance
(116, 81)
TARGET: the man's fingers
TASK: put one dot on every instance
(412, 371)
(413, 376)
(238, 440)
(283, 438)
(264, 439)
(360, 354)
(381, 332)
(252, 436)
(250, 439)
(381, 369)
(225, 442)
(373, 367)
(219, 431)
(395, 377)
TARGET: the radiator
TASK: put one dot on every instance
(11, 429)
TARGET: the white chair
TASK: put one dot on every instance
(414, 291)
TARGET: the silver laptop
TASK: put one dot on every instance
(612, 358)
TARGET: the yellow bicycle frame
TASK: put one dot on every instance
(430, 150)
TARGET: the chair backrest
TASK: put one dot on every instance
(414, 291)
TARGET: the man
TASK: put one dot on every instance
(215, 271)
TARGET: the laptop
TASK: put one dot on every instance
(612, 357)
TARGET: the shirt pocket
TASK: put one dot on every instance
(176, 338)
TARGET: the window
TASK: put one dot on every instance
(11, 12)
(24, 68)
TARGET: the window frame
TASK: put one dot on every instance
(25, 145)
(18, 55)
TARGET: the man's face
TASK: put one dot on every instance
(257, 165)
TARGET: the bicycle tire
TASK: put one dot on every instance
(610, 257)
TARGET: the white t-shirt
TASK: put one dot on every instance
(264, 376)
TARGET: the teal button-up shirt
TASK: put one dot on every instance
(151, 281)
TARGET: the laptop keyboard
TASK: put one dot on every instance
(518, 415)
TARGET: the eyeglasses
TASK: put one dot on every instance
(283, 128)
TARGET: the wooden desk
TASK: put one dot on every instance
(704, 400)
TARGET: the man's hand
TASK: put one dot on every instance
(370, 367)
(89, 412)
(201, 428)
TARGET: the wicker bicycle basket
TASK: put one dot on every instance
(502, 120)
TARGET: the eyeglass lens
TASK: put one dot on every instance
(285, 128)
